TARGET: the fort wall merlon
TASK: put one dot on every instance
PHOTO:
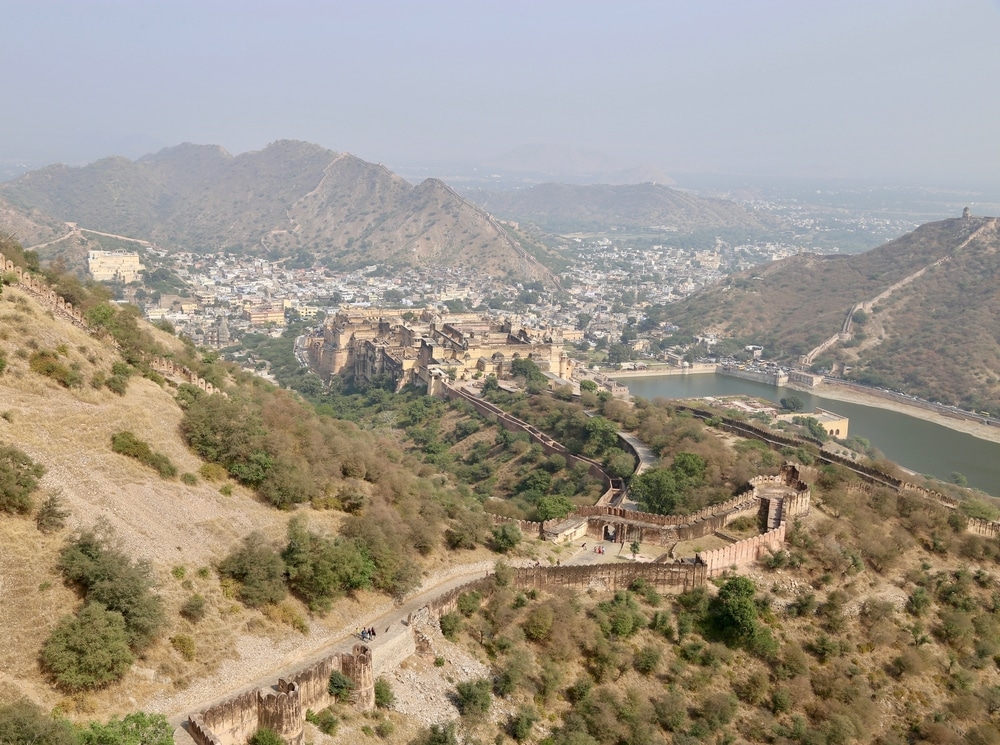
(44, 294)
(235, 720)
(171, 368)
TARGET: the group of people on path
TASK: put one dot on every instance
(596, 549)
(368, 634)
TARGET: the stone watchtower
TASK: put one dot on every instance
(966, 214)
(358, 667)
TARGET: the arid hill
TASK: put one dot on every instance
(291, 198)
(933, 336)
(565, 207)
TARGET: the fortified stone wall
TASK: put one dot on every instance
(234, 721)
(513, 424)
(169, 367)
(988, 528)
(45, 294)
(742, 553)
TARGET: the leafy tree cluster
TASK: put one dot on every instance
(25, 723)
(121, 614)
(663, 491)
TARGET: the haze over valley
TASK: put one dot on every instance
(554, 373)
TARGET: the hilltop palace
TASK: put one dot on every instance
(424, 350)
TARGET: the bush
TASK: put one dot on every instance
(213, 472)
(89, 650)
(47, 363)
(259, 570)
(110, 578)
(135, 729)
(126, 443)
(384, 697)
(474, 697)
(450, 624)
(265, 736)
(24, 722)
(438, 734)
(117, 384)
(194, 608)
(19, 476)
(51, 516)
(522, 722)
(325, 721)
(647, 659)
(189, 478)
(184, 644)
(322, 568)
(506, 537)
(340, 686)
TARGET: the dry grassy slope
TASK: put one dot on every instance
(164, 521)
(289, 197)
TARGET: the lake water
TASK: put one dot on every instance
(917, 444)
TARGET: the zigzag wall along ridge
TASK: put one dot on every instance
(47, 296)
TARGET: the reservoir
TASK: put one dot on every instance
(921, 446)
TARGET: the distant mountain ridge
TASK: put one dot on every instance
(563, 207)
(935, 336)
(287, 199)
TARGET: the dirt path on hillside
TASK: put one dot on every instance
(261, 664)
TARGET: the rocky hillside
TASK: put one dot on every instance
(292, 198)
(568, 207)
(933, 335)
(65, 393)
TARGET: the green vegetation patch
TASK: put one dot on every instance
(126, 443)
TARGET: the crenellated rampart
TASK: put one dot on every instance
(41, 291)
(742, 553)
(235, 720)
(169, 367)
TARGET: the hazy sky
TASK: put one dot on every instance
(901, 90)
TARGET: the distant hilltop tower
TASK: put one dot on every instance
(966, 214)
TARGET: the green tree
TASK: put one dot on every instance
(735, 610)
(792, 403)
(506, 537)
(553, 507)
(384, 696)
(89, 650)
(110, 578)
(321, 568)
(656, 491)
(634, 549)
(602, 435)
(340, 686)
(51, 516)
(138, 728)
(19, 476)
(25, 723)
(259, 570)
(618, 353)
(474, 697)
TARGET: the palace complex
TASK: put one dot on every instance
(421, 349)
